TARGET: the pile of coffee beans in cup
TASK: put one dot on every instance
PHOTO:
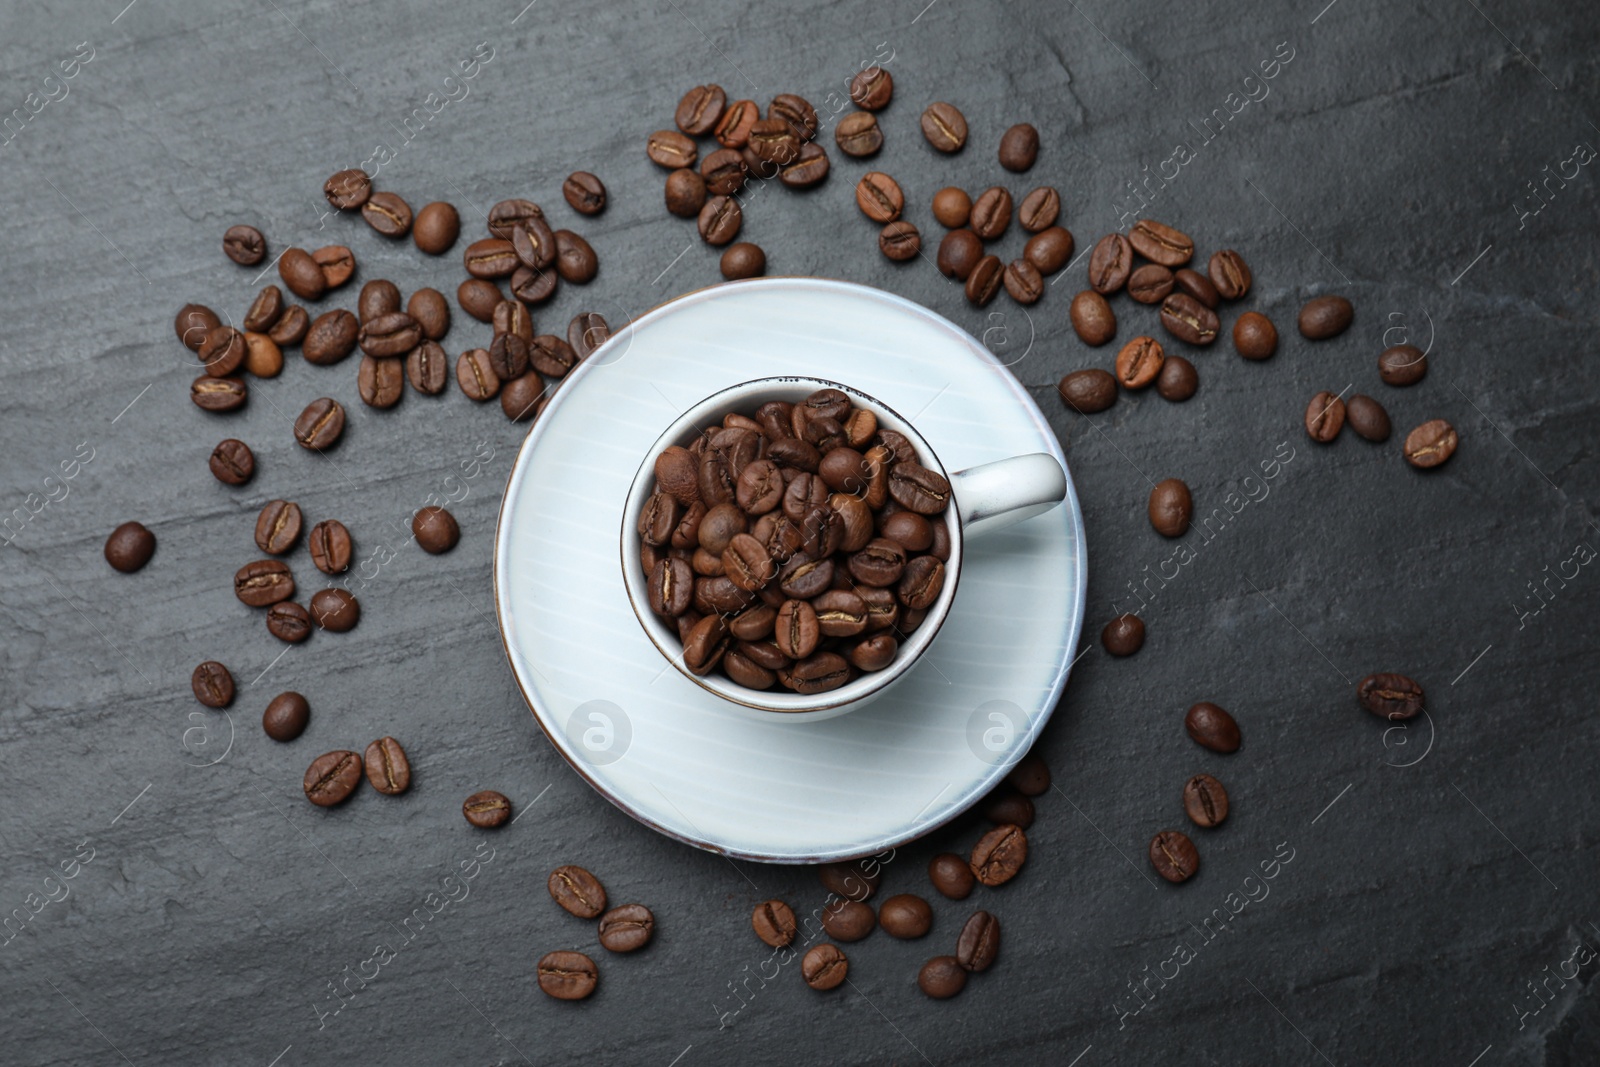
(795, 544)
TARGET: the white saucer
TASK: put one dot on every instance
(671, 754)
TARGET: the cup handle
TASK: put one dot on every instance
(1000, 494)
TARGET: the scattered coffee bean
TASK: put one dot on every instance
(575, 258)
(1431, 444)
(720, 220)
(1390, 696)
(951, 876)
(1123, 635)
(320, 424)
(824, 966)
(587, 331)
(244, 245)
(1019, 147)
(1039, 209)
(278, 527)
(553, 357)
(1170, 507)
(435, 529)
(1205, 801)
(627, 928)
(733, 128)
(1173, 856)
(336, 610)
(348, 189)
(1367, 418)
(1092, 319)
(774, 923)
(1031, 776)
(857, 135)
(533, 286)
(475, 374)
(1210, 726)
(1139, 362)
(872, 88)
(486, 809)
(264, 309)
(1023, 282)
(585, 192)
(686, 193)
(848, 920)
(436, 228)
(286, 717)
(905, 916)
(671, 149)
(288, 622)
(388, 214)
(262, 356)
(1178, 379)
(853, 880)
(330, 546)
(1254, 336)
(567, 975)
(577, 891)
(194, 321)
(1325, 317)
(506, 216)
(1110, 263)
(217, 394)
(1197, 285)
(338, 264)
(979, 942)
(985, 280)
(479, 297)
(1402, 365)
(1229, 273)
(291, 327)
(700, 109)
(1324, 417)
(1150, 284)
(942, 977)
(1160, 243)
(223, 351)
(387, 767)
(522, 399)
(1006, 805)
(945, 127)
(999, 855)
(331, 337)
(493, 257)
(431, 312)
(959, 252)
(263, 583)
(879, 197)
(332, 778)
(991, 213)
(232, 462)
(1088, 391)
(743, 260)
(952, 207)
(1189, 320)
(301, 274)
(797, 112)
(212, 684)
(724, 169)
(130, 547)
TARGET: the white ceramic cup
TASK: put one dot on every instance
(986, 498)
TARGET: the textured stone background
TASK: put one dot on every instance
(1436, 872)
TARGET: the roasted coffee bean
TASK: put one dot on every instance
(427, 368)
(945, 127)
(985, 280)
(223, 351)
(700, 109)
(905, 916)
(1088, 391)
(720, 220)
(1170, 507)
(959, 252)
(759, 487)
(320, 424)
(952, 207)
(774, 923)
(848, 920)
(819, 673)
(840, 613)
(875, 652)
(756, 167)
(1325, 317)
(717, 528)
(533, 286)
(911, 531)
(567, 975)
(1123, 635)
(1196, 285)
(1019, 147)
(286, 717)
(1178, 379)
(244, 245)
(851, 879)
(686, 193)
(942, 977)
(1049, 249)
(1431, 444)
(792, 453)
(1110, 264)
(1205, 801)
(1189, 320)
(872, 88)
(584, 192)
(330, 546)
(436, 529)
(797, 112)
(733, 128)
(882, 562)
(431, 312)
(551, 356)
(491, 257)
(212, 684)
(796, 629)
(1006, 805)
(1031, 776)
(1093, 320)
(577, 891)
(1160, 243)
(951, 876)
(1150, 284)
(262, 356)
(1367, 418)
(1210, 726)
(746, 563)
(1401, 365)
(1039, 209)
(999, 855)
(1254, 336)
(348, 189)
(486, 809)
(979, 942)
(331, 337)
(1390, 696)
(436, 228)
(511, 316)
(669, 148)
(534, 244)
(264, 309)
(627, 928)
(1173, 856)
(1229, 273)
(753, 624)
(824, 967)
(575, 258)
(388, 214)
(332, 778)
(587, 331)
(916, 487)
(475, 374)
(1139, 362)
(857, 135)
(677, 475)
(479, 298)
(278, 527)
(1324, 417)
(508, 355)
(899, 241)
(1023, 282)
(263, 583)
(387, 768)
(671, 587)
(194, 321)
(921, 583)
(803, 576)
(743, 260)
(291, 327)
(771, 140)
(507, 215)
(856, 522)
(724, 169)
(232, 462)
(335, 609)
(523, 399)
(879, 197)
(991, 213)
(380, 382)
(338, 264)
(289, 622)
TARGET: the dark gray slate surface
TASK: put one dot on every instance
(1430, 886)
